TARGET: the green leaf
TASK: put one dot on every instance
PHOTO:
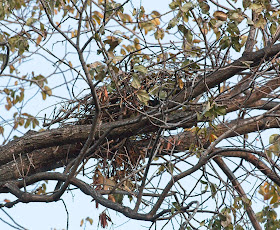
(117, 58)
(22, 46)
(27, 123)
(202, 223)
(187, 33)
(207, 108)
(159, 34)
(246, 3)
(176, 205)
(246, 200)
(118, 198)
(225, 42)
(204, 7)
(233, 29)
(236, 16)
(161, 169)
(239, 227)
(100, 76)
(173, 22)
(235, 44)
(143, 96)
(35, 122)
(173, 5)
(162, 95)
(256, 7)
(130, 198)
(30, 21)
(250, 22)
(203, 182)
(273, 28)
(261, 22)
(213, 189)
(140, 68)
(187, 6)
(273, 138)
(154, 90)
(205, 189)
(221, 110)
(42, 27)
(136, 82)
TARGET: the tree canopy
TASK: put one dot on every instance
(159, 115)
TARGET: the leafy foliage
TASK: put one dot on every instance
(161, 111)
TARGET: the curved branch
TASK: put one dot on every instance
(226, 72)
(6, 61)
(67, 135)
(240, 191)
(249, 157)
(14, 188)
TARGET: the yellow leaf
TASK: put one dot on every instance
(258, 8)
(212, 137)
(57, 23)
(89, 220)
(107, 183)
(1, 130)
(9, 101)
(15, 125)
(12, 68)
(181, 83)
(112, 198)
(38, 40)
(123, 52)
(82, 222)
(44, 95)
(196, 41)
(267, 196)
(274, 198)
(159, 34)
(220, 15)
(48, 90)
(156, 21)
(6, 91)
(117, 58)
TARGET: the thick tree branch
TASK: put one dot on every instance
(256, 161)
(248, 59)
(240, 191)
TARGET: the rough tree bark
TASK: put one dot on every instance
(124, 125)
